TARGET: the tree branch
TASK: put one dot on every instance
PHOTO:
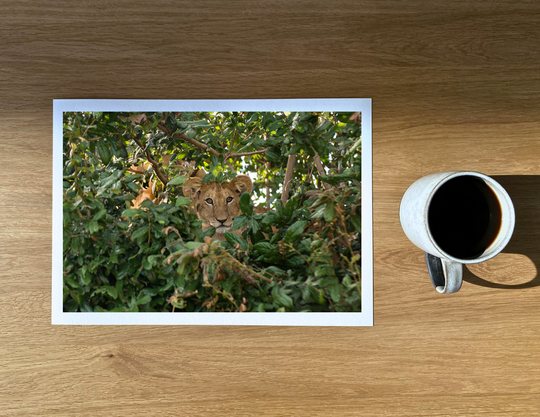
(184, 137)
(288, 177)
(236, 155)
(163, 178)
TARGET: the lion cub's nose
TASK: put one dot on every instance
(221, 221)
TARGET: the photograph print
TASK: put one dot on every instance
(179, 215)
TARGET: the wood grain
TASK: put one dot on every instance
(455, 85)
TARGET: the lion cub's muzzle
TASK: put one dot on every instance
(222, 225)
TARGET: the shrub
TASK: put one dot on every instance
(303, 255)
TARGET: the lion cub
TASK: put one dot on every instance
(217, 204)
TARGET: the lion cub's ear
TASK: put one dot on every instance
(192, 187)
(242, 184)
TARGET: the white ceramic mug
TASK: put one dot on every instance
(444, 214)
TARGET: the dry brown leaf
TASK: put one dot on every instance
(144, 194)
(137, 119)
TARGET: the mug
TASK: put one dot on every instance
(456, 218)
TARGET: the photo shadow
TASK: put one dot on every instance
(524, 190)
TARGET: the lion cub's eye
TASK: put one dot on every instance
(209, 201)
(229, 199)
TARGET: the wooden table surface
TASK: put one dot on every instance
(455, 86)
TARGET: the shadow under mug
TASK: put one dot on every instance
(456, 217)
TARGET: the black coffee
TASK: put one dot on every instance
(464, 217)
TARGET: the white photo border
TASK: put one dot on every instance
(364, 318)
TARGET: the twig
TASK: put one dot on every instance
(154, 163)
(89, 126)
(288, 177)
(248, 269)
(236, 155)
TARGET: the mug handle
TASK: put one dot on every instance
(446, 276)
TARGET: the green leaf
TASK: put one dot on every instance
(346, 175)
(144, 299)
(294, 232)
(208, 178)
(147, 264)
(245, 204)
(239, 222)
(270, 217)
(182, 201)
(327, 282)
(324, 270)
(133, 187)
(316, 294)
(322, 127)
(335, 293)
(140, 232)
(147, 203)
(233, 239)
(211, 231)
(295, 261)
(290, 206)
(131, 212)
(76, 295)
(100, 214)
(265, 247)
(193, 245)
(273, 155)
(274, 270)
(179, 180)
(353, 148)
(70, 281)
(279, 207)
(284, 300)
(357, 223)
(86, 278)
(75, 244)
(318, 213)
(112, 291)
(329, 212)
(251, 117)
(253, 225)
(104, 152)
(93, 226)
(293, 150)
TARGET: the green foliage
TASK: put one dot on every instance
(303, 256)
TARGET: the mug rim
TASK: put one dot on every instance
(498, 244)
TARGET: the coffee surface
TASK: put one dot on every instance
(464, 217)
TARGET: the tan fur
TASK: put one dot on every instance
(220, 212)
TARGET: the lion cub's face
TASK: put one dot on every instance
(217, 204)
